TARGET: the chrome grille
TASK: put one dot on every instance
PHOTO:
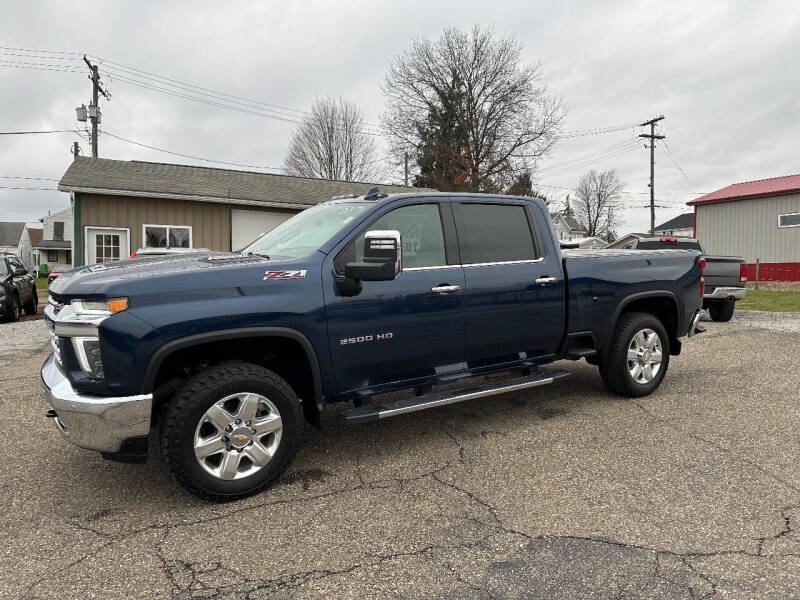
(55, 342)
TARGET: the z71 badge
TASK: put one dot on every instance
(298, 274)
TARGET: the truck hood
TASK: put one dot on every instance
(130, 274)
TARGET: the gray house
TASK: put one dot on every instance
(11, 236)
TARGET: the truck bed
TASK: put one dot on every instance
(600, 282)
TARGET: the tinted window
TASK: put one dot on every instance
(420, 227)
(3, 269)
(494, 233)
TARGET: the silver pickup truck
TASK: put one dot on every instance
(725, 276)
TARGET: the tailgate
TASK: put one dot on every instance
(723, 271)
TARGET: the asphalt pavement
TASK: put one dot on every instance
(564, 491)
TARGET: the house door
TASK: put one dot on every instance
(106, 244)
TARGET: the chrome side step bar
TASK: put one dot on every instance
(373, 412)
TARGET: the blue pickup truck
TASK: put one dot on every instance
(228, 355)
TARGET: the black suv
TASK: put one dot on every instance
(17, 288)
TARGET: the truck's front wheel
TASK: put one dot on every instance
(637, 357)
(231, 430)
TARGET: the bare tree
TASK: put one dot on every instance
(498, 117)
(333, 143)
(596, 202)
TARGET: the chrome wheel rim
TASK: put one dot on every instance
(238, 436)
(644, 356)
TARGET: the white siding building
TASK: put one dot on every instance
(567, 228)
(757, 220)
(55, 249)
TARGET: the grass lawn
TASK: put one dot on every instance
(771, 300)
(41, 287)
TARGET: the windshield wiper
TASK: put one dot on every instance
(257, 254)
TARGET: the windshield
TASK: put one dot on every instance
(307, 231)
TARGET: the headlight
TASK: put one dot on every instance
(100, 307)
(87, 349)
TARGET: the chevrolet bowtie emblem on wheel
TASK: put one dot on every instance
(297, 274)
(239, 438)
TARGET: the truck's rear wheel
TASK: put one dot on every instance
(721, 311)
(33, 304)
(231, 430)
(637, 357)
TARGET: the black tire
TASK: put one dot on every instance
(721, 311)
(33, 304)
(12, 309)
(614, 363)
(188, 406)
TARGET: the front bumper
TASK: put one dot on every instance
(725, 293)
(94, 422)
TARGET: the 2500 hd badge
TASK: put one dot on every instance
(366, 338)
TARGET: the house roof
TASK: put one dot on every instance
(571, 223)
(684, 221)
(10, 233)
(185, 182)
(35, 234)
(54, 245)
(788, 184)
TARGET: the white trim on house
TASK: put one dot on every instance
(86, 229)
(215, 199)
(146, 225)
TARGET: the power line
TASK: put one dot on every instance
(737, 146)
(14, 187)
(669, 154)
(37, 132)
(579, 164)
(28, 178)
(210, 160)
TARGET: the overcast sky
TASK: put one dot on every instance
(725, 75)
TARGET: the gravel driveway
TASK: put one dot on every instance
(560, 492)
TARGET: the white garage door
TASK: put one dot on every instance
(247, 225)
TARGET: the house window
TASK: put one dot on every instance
(167, 236)
(790, 220)
(106, 247)
(52, 256)
(69, 257)
(58, 230)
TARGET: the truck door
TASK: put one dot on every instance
(407, 329)
(515, 288)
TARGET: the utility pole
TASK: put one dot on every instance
(94, 107)
(652, 137)
(76, 150)
(405, 157)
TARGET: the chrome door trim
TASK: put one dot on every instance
(506, 262)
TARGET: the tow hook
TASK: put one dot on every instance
(50, 414)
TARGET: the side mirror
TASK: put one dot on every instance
(383, 257)
(19, 272)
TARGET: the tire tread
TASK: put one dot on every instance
(194, 388)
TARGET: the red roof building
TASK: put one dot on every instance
(758, 220)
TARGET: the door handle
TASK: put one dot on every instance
(445, 289)
(545, 280)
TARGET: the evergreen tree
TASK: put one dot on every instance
(567, 212)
